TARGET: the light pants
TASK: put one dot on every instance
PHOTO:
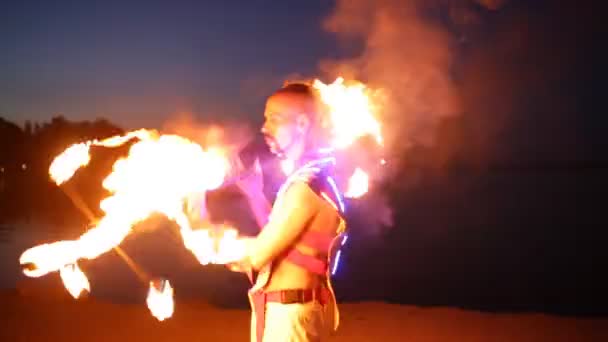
(309, 322)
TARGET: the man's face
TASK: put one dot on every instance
(283, 123)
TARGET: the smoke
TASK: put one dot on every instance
(409, 50)
(491, 4)
(405, 54)
(231, 136)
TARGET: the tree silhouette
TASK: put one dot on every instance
(26, 192)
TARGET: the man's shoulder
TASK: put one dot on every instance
(316, 183)
(312, 175)
(299, 189)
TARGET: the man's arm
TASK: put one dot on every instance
(253, 188)
(289, 218)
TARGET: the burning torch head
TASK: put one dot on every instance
(290, 116)
(159, 284)
(40, 260)
(160, 299)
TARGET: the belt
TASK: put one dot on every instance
(320, 294)
(259, 300)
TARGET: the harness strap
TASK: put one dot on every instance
(308, 262)
(317, 240)
(258, 301)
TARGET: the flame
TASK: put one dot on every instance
(352, 109)
(76, 156)
(201, 244)
(74, 280)
(65, 165)
(358, 184)
(160, 299)
(158, 176)
(162, 173)
(353, 112)
(287, 166)
(48, 257)
(230, 247)
(216, 246)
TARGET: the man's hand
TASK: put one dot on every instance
(252, 184)
(242, 266)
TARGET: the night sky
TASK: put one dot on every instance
(141, 63)
(138, 62)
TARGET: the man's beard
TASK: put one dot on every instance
(276, 149)
(273, 146)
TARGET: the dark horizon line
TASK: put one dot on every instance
(547, 165)
(505, 165)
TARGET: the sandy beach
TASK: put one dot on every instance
(59, 318)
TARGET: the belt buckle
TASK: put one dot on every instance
(292, 296)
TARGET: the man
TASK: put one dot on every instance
(292, 298)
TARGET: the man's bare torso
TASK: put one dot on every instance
(286, 275)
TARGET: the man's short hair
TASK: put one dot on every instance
(297, 89)
(312, 106)
(308, 96)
